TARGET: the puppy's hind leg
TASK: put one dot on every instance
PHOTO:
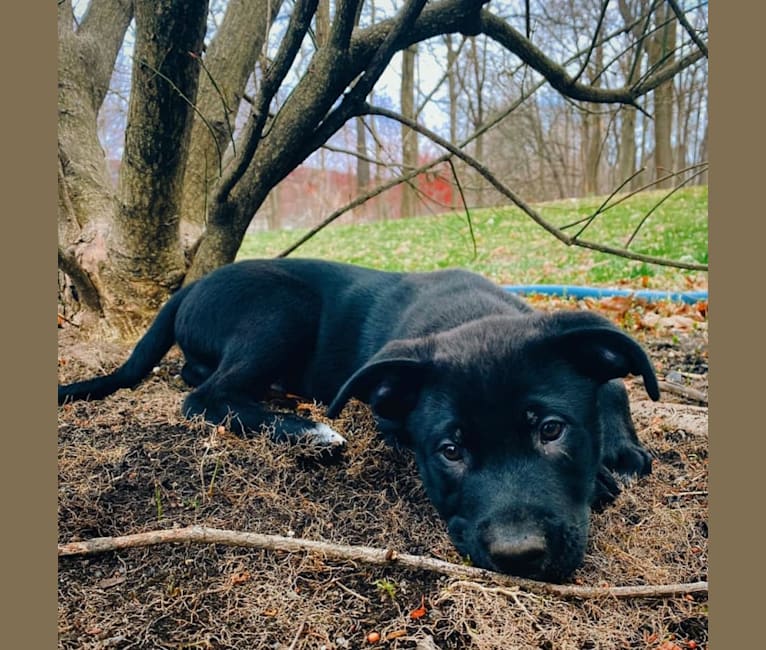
(232, 394)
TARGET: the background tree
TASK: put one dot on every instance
(226, 101)
(409, 137)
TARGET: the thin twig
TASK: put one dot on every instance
(688, 27)
(181, 94)
(226, 110)
(368, 555)
(356, 154)
(638, 190)
(592, 47)
(465, 205)
(602, 208)
(659, 203)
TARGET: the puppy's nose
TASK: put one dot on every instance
(520, 553)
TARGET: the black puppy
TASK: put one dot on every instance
(517, 418)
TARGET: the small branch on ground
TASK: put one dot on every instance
(368, 555)
(684, 391)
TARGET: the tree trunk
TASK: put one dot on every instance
(138, 279)
(228, 63)
(660, 53)
(362, 162)
(478, 65)
(626, 164)
(593, 133)
(409, 137)
(703, 155)
(87, 203)
(452, 91)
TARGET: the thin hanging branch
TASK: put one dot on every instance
(625, 197)
(226, 110)
(367, 555)
(596, 32)
(603, 207)
(659, 203)
(465, 206)
(205, 121)
(525, 207)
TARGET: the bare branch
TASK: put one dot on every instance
(499, 30)
(688, 27)
(367, 555)
(603, 207)
(300, 20)
(346, 13)
(355, 97)
(100, 35)
(594, 41)
(638, 190)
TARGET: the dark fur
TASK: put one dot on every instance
(517, 418)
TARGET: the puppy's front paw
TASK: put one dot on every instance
(630, 460)
(607, 489)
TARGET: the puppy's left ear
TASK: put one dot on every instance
(605, 353)
(391, 386)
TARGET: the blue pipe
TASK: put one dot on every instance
(571, 291)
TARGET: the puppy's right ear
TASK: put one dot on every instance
(391, 386)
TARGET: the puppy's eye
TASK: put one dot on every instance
(451, 452)
(551, 429)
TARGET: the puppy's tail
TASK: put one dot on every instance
(148, 351)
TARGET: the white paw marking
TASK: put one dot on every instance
(321, 434)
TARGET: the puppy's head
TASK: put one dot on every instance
(502, 416)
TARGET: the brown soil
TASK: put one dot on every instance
(130, 464)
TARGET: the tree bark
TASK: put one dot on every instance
(409, 138)
(87, 203)
(138, 277)
(478, 66)
(593, 134)
(362, 162)
(660, 53)
(229, 61)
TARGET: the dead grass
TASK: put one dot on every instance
(130, 464)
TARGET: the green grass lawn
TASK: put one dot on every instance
(512, 249)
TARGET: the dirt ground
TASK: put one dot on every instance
(130, 464)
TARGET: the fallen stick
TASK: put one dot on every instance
(683, 391)
(367, 555)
